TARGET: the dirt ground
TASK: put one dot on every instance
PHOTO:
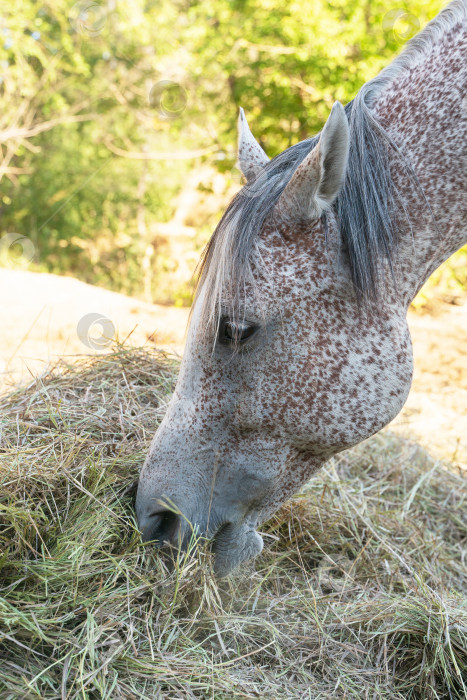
(41, 313)
(436, 411)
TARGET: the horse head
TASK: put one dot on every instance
(283, 366)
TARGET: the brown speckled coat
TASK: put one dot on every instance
(318, 372)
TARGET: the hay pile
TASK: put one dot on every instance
(360, 592)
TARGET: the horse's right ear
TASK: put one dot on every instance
(251, 157)
(316, 182)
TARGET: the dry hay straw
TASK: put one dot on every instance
(360, 592)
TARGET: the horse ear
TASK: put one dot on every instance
(318, 179)
(251, 157)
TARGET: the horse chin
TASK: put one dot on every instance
(234, 545)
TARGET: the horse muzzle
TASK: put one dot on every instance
(232, 542)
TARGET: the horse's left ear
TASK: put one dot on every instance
(251, 157)
(318, 179)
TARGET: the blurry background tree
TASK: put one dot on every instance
(118, 120)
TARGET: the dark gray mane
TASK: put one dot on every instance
(363, 211)
(368, 209)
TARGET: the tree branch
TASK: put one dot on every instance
(27, 132)
(155, 155)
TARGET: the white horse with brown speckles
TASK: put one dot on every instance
(298, 344)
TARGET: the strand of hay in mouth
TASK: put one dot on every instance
(360, 593)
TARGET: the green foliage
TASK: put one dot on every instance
(88, 89)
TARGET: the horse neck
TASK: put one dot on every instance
(423, 109)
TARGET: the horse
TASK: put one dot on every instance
(298, 345)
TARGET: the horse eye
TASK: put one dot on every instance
(230, 332)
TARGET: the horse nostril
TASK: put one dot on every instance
(161, 527)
